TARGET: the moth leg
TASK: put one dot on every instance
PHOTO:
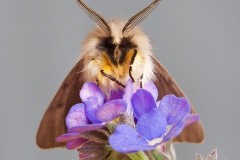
(141, 81)
(97, 82)
(112, 78)
(131, 63)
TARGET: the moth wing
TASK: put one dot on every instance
(166, 85)
(53, 122)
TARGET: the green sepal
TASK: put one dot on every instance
(157, 156)
(114, 155)
(111, 127)
(99, 136)
(138, 156)
(92, 150)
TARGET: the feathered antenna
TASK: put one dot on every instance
(95, 16)
(140, 16)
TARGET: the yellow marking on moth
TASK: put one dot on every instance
(117, 71)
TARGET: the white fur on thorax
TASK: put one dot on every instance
(90, 51)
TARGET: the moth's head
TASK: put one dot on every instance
(117, 38)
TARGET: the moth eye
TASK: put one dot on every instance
(126, 43)
(109, 43)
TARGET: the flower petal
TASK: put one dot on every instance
(190, 119)
(175, 131)
(174, 108)
(129, 88)
(136, 86)
(128, 91)
(116, 95)
(111, 110)
(157, 103)
(127, 96)
(127, 140)
(86, 128)
(92, 106)
(90, 89)
(152, 124)
(142, 102)
(67, 137)
(76, 143)
(76, 116)
(151, 87)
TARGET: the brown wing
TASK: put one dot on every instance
(53, 122)
(166, 85)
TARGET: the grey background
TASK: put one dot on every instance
(198, 41)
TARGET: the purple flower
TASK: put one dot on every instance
(157, 122)
(91, 115)
(131, 88)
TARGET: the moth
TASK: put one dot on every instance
(111, 54)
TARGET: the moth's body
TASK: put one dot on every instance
(115, 60)
(115, 49)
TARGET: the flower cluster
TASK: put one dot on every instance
(92, 114)
(152, 122)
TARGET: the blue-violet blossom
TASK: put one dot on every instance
(156, 122)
